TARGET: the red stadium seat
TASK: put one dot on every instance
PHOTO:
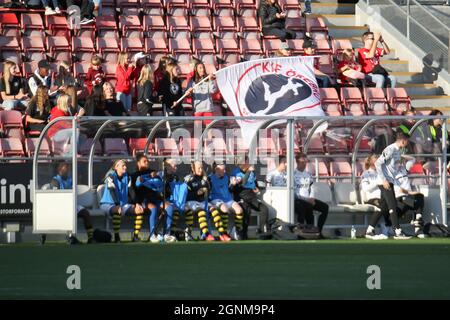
(83, 47)
(398, 99)
(177, 23)
(57, 25)
(8, 20)
(322, 47)
(176, 7)
(32, 45)
(189, 146)
(330, 102)
(9, 44)
(340, 167)
(295, 23)
(316, 145)
(203, 46)
(289, 4)
(59, 48)
(127, 3)
(11, 147)
(107, 45)
(227, 46)
(137, 145)
(10, 119)
(156, 45)
(153, 7)
(129, 24)
(154, 23)
(376, 101)
(85, 148)
(115, 146)
(31, 144)
(248, 24)
(250, 47)
(133, 44)
(110, 71)
(271, 46)
(30, 22)
(166, 146)
(296, 46)
(81, 69)
(353, 101)
(179, 46)
(321, 171)
(336, 145)
(222, 7)
(200, 24)
(245, 7)
(199, 7)
(224, 24)
(105, 23)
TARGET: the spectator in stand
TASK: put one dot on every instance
(75, 108)
(88, 9)
(124, 73)
(202, 102)
(435, 133)
(307, 7)
(65, 78)
(273, 20)
(283, 51)
(194, 61)
(95, 75)
(113, 107)
(171, 91)
(369, 59)
(38, 110)
(160, 72)
(95, 103)
(140, 60)
(349, 71)
(12, 87)
(323, 80)
(48, 10)
(41, 76)
(145, 91)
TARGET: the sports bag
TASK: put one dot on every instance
(282, 230)
(102, 236)
(436, 230)
(307, 232)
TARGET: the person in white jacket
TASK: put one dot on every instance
(388, 166)
(410, 200)
(369, 185)
(305, 203)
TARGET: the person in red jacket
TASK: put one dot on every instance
(95, 75)
(124, 74)
(160, 72)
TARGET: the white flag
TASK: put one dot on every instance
(283, 86)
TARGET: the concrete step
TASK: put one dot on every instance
(395, 65)
(347, 31)
(430, 101)
(337, 19)
(421, 88)
(408, 77)
(333, 8)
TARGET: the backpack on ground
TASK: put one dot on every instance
(307, 232)
(436, 230)
(102, 236)
(281, 230)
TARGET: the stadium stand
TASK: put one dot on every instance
(210, 29)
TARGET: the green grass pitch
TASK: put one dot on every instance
(325, 269)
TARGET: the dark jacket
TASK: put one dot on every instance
(145, 98)
(170, 93)
(268, 17)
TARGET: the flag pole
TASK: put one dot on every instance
(193, 87)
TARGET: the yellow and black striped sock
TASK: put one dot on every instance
(202, 221)
(189, 219)
(90, 232)
(116, 222)
(137, 223)
(224, 218)
(239, 220)
(176, 216)
(217, 220)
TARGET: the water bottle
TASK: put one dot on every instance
(353, 233)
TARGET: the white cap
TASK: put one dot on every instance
(138, 56)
